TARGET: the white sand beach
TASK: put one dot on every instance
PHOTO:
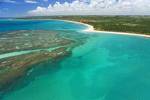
(90, 28)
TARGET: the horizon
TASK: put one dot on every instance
(75, 15)
(23, 8)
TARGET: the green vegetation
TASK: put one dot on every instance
(132, 24)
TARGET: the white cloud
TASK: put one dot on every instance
(31, 1)
(96, 7)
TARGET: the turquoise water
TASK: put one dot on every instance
(106, 67)
(12, 54)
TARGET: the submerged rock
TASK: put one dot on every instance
(48, 46)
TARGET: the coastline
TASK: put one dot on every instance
(90, 28)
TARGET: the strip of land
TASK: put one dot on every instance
(127, 25)
(90, 28)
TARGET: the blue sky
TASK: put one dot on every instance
(21, 7)
(9, 8)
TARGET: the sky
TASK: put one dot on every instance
(19, 8)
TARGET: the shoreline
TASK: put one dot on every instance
(90, 28)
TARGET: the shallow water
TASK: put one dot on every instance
(17, 53)
(106, 67)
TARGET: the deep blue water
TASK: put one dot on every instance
(106, 67)
(13, 25)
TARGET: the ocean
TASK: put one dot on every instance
(105, 67)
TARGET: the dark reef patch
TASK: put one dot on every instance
(16, 69)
